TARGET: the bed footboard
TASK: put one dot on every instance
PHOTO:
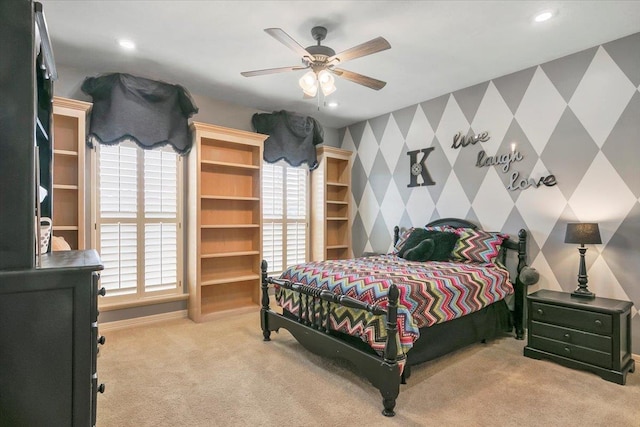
(311, 329)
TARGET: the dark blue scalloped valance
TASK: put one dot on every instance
(147, 112)
(292, 137)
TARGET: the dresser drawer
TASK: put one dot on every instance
(588, 321)
(572, 336)
(570, 351)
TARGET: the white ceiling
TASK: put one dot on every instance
(436, 46)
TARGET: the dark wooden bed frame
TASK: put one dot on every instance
(311, 326)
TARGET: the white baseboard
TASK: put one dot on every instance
(141, 321)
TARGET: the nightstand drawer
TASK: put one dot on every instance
(588, 321)
(572, 336)
(570, 351)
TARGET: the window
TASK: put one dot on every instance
(138, 219)
(284, 215)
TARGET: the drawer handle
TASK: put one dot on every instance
(102, 291)
(540, 312)
(598, 322)
(567, 336)
(102, 339)
(101, 388)
(567, 350)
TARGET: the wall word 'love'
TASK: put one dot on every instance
(517, 183)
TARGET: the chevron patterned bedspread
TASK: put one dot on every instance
(430, 292)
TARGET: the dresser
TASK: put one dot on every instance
(49, 341)
(580, 333)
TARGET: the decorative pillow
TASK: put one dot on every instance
(439, 228)
(444, 242)
(401, 241)
(403, 238)
(416, 236)
(477, 246)
(422, 252)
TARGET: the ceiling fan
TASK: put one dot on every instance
(322, 61)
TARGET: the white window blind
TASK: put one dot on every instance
(137, 221)
(284, 215)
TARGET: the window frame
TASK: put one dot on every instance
(141, 296)
(285, 220)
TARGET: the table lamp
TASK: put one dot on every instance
(583, 233)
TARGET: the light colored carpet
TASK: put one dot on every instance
(221, 373)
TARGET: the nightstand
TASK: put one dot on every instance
(590, 334)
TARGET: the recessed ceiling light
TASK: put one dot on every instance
(126, 44)
(332, 104)
(543, 16)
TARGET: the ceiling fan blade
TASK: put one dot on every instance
(287, 40)
(271, 71)
(367, 48)
(367, 81)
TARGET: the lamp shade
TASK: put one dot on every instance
(309, 84)
(582, 232)
(327, 82)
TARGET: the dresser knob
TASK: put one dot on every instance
(102, 291)
(101, 388)
(540, 312)
(102, 339)
(598, 322)
(567, 336)
(567, 350)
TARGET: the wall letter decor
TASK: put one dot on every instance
(419, 168)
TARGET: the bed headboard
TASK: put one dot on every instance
(452, 222)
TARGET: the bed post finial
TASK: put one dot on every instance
(266, 333)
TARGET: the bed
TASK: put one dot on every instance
(386, 313)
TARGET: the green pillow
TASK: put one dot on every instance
(417, 235)
(422, 252)
(444, 243)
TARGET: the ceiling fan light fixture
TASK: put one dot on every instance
(311, 92)
(321, 60)
(327, 82)
(308, 81)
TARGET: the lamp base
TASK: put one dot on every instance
(583, 293)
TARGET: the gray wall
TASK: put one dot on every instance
(577, 117)
(210, 111)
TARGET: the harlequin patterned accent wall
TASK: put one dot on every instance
(577, 117)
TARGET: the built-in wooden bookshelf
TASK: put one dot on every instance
(69, 136)
(225, 220)
(330, 205)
